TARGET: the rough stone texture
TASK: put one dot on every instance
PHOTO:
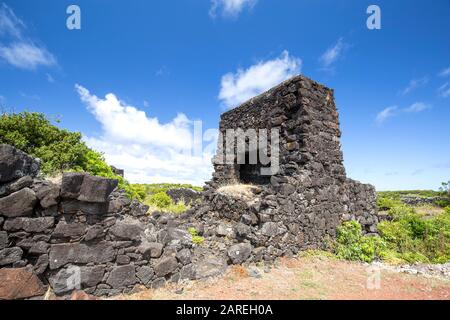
(3, 239)
(239, 253)
(20, 203)
(19, 284)
(96, 189)
(129, 229)
(122, 276)
(33, 225)
(15, 164)
(187, 195)
(62, 254)
(166, 266)
(71, 184)
(66, 280)
(47, 193)
(10, 255)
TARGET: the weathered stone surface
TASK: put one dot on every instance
(73, 277)
(96, 189)
(239, 253)
(184, 256)
(20, 203)
(71, 184)
(19, 284)
(39, 247)
(33, 225)
(47, 193)
(10, 255)
(166, 266)
(145, 274)
(151, 250)
(209, 266)
(3, 239)
(128, 229)
(94, 233)
(269, 229)
(11, 187)
(15, 164)
(41, 264)
(122, 276)
(186, 195)
(75, 206)
(67, 230)
(62, 254)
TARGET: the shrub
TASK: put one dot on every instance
(160, 200)
(352, 245)
(385, 203)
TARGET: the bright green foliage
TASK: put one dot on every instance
(418, 239)
(408, 238)
(160, 200)
(386, 203)
(156, 197)
(59, 149)
(163, 187)
(352, 245)
(195, 237)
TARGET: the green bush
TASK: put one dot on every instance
(386, 203)
(352, 245)
(160, 200)
(59, 149)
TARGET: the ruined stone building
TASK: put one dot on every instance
(310, 195)
(84, 228)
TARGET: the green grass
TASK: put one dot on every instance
(158, 200)
(409, 237)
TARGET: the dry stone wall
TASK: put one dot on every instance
(83, 231)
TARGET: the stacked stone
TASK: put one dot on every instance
(302, 205)
(83, 233)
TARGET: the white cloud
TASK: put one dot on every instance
(417, 107)
(396, 111)
(445, 72)
(26, 55)
(444, 90)
(148, 150)
(414, 84)
(15, 48)
(333, 53)
(49, 78)
(10, 25)
(230, 7)
(238, 87)
(385, 114)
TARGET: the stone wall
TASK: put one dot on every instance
(84, 227)
(301, 206)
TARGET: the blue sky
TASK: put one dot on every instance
(139, 73)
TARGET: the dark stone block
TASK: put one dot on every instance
(62, 254)
(20, 203)
(122, 277)
(15, 164)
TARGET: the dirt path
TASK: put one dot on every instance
(306, 278)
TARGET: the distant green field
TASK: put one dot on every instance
(156, 198)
